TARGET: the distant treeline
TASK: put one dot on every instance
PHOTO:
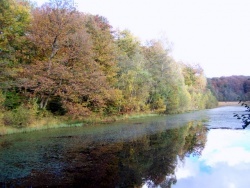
(231, 88)
(57, 61)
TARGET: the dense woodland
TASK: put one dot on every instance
(231, 88)
(58, 62)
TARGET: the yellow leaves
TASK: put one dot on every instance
(14, 19)
(114, 97)
(77, 110)
(2, 99)
(103, 45)
(22, 12)
(73, 56)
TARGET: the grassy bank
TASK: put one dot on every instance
(232, 103)
(228, 103)
(52, 123)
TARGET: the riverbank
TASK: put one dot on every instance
(228, 103)
(60, 121)
(232, 103)
(70, 157)
(57, 123)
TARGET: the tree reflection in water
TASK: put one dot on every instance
(148, 160)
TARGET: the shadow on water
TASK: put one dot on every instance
(141, 153)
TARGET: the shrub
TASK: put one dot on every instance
(20, 117)
(12, 100)
(2, 99)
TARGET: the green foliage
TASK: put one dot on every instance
(20, 117)
(189, 75)
(12, 100)
(14, 20)
(127, 43)
(114, 102)
(56, 60)
(185, 99)
(173, 101)
(2, 99)
(133, 78)
(103, 45)
(157, 102)
(196, 83)
(211, 100)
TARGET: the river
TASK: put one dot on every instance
(199, 149)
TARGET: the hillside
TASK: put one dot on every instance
(231, 88)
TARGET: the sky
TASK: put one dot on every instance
(212, 33)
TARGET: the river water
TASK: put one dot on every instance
(200, 149)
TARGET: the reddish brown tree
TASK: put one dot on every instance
(63, 65)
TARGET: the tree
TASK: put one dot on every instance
(104, 49)
(167, 85)
(133, 79)
(246, 89)
(194, 76)
(157, 64)
(14, 19)
(189, 75)
(196, 83)
(127, 43)
(63, 65)
(229, 88)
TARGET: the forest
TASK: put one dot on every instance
(58, 64)
(231, 88)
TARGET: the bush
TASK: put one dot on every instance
(12, 100)
(158, 103)
(2, 99)
(19, 117)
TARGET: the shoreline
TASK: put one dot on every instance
(4, 130)
(228, 103)
(232, 103)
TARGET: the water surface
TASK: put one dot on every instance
(225, 160)
(187, 150)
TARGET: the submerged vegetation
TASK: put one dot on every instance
(61, 65)
(129, 157)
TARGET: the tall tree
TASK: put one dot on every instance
(104, 49)
(132, 77)
(157, 63)
(14, 19)
(63, 65)
(196, 82)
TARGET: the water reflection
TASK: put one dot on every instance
(224, 163)
(173, 151)
(140, 159)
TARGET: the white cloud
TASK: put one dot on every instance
(186, 170)
(226, 146)
(230, 156)
(225, 162)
